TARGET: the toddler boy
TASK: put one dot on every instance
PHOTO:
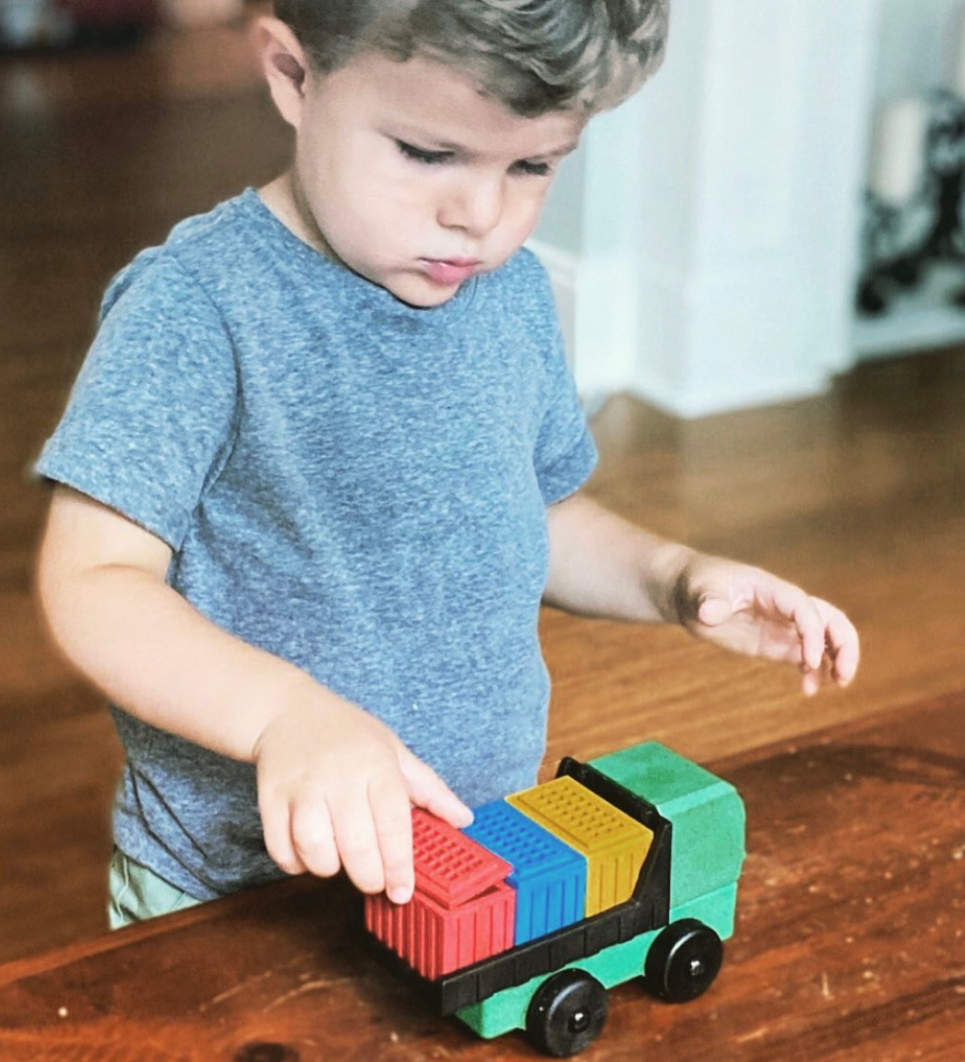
(321, 465)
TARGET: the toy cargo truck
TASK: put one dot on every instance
(623, 867)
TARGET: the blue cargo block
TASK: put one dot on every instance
(548, 875)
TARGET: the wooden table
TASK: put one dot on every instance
(850, 942)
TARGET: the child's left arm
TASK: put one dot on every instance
(602, 565)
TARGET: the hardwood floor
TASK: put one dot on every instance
(859, 495)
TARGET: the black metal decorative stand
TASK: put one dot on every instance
(889, 265)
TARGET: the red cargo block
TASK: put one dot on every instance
(462, 910)
(435, 941)
(450, 867)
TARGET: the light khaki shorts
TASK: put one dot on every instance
(137, 893)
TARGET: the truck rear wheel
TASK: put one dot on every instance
(567, 1013)
(683, 961)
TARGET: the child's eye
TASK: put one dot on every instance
(533, 169)
(430, 158)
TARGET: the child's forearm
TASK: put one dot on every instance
(154, 655)
(604, 566)
(101, 582)
(601, 565)
(335, 785)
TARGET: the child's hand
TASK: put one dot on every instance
(336, 789)
(750, 611)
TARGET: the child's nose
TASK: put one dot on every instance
(474, 206)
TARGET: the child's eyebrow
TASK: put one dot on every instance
(440, 144)
(556, 153)
(560, 152)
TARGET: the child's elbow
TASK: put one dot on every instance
(53, 593)
(93, 570)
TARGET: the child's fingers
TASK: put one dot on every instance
(842, 641)
(392, 815)
(357, 840)
(276, 827)
(810, 682)
(846, 662)
(427, 790)
(801, 610)
(313, 837)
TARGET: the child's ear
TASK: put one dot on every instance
(285, 65)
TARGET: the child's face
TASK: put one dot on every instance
(409, 176)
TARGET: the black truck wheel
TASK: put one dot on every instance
(567, 1013)
(683, 961)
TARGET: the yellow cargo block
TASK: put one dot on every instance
(614, 844)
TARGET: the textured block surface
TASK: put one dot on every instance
(449, 866)
(549, 876)
(462, 910)
(614, 844)
(435, 940)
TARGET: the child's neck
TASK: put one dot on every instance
(282, 197)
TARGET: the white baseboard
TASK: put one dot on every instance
(597, 305)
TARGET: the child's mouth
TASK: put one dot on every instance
(449, 271)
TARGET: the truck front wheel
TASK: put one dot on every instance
(683, 961)
(567, 1013)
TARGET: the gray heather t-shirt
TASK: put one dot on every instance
(352, 484)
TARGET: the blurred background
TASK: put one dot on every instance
(759, 266)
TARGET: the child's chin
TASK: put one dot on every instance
(423, 294)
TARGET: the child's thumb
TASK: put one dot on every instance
(427, 790)
(714, 611)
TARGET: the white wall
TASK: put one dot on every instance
(917, 45)
(714, 259)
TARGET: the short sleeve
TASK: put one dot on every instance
(149, 422)
(565, 451)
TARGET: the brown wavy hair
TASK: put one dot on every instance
(533, 56)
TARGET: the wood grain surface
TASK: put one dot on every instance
(850, 943)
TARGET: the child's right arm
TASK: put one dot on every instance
(335, 785)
